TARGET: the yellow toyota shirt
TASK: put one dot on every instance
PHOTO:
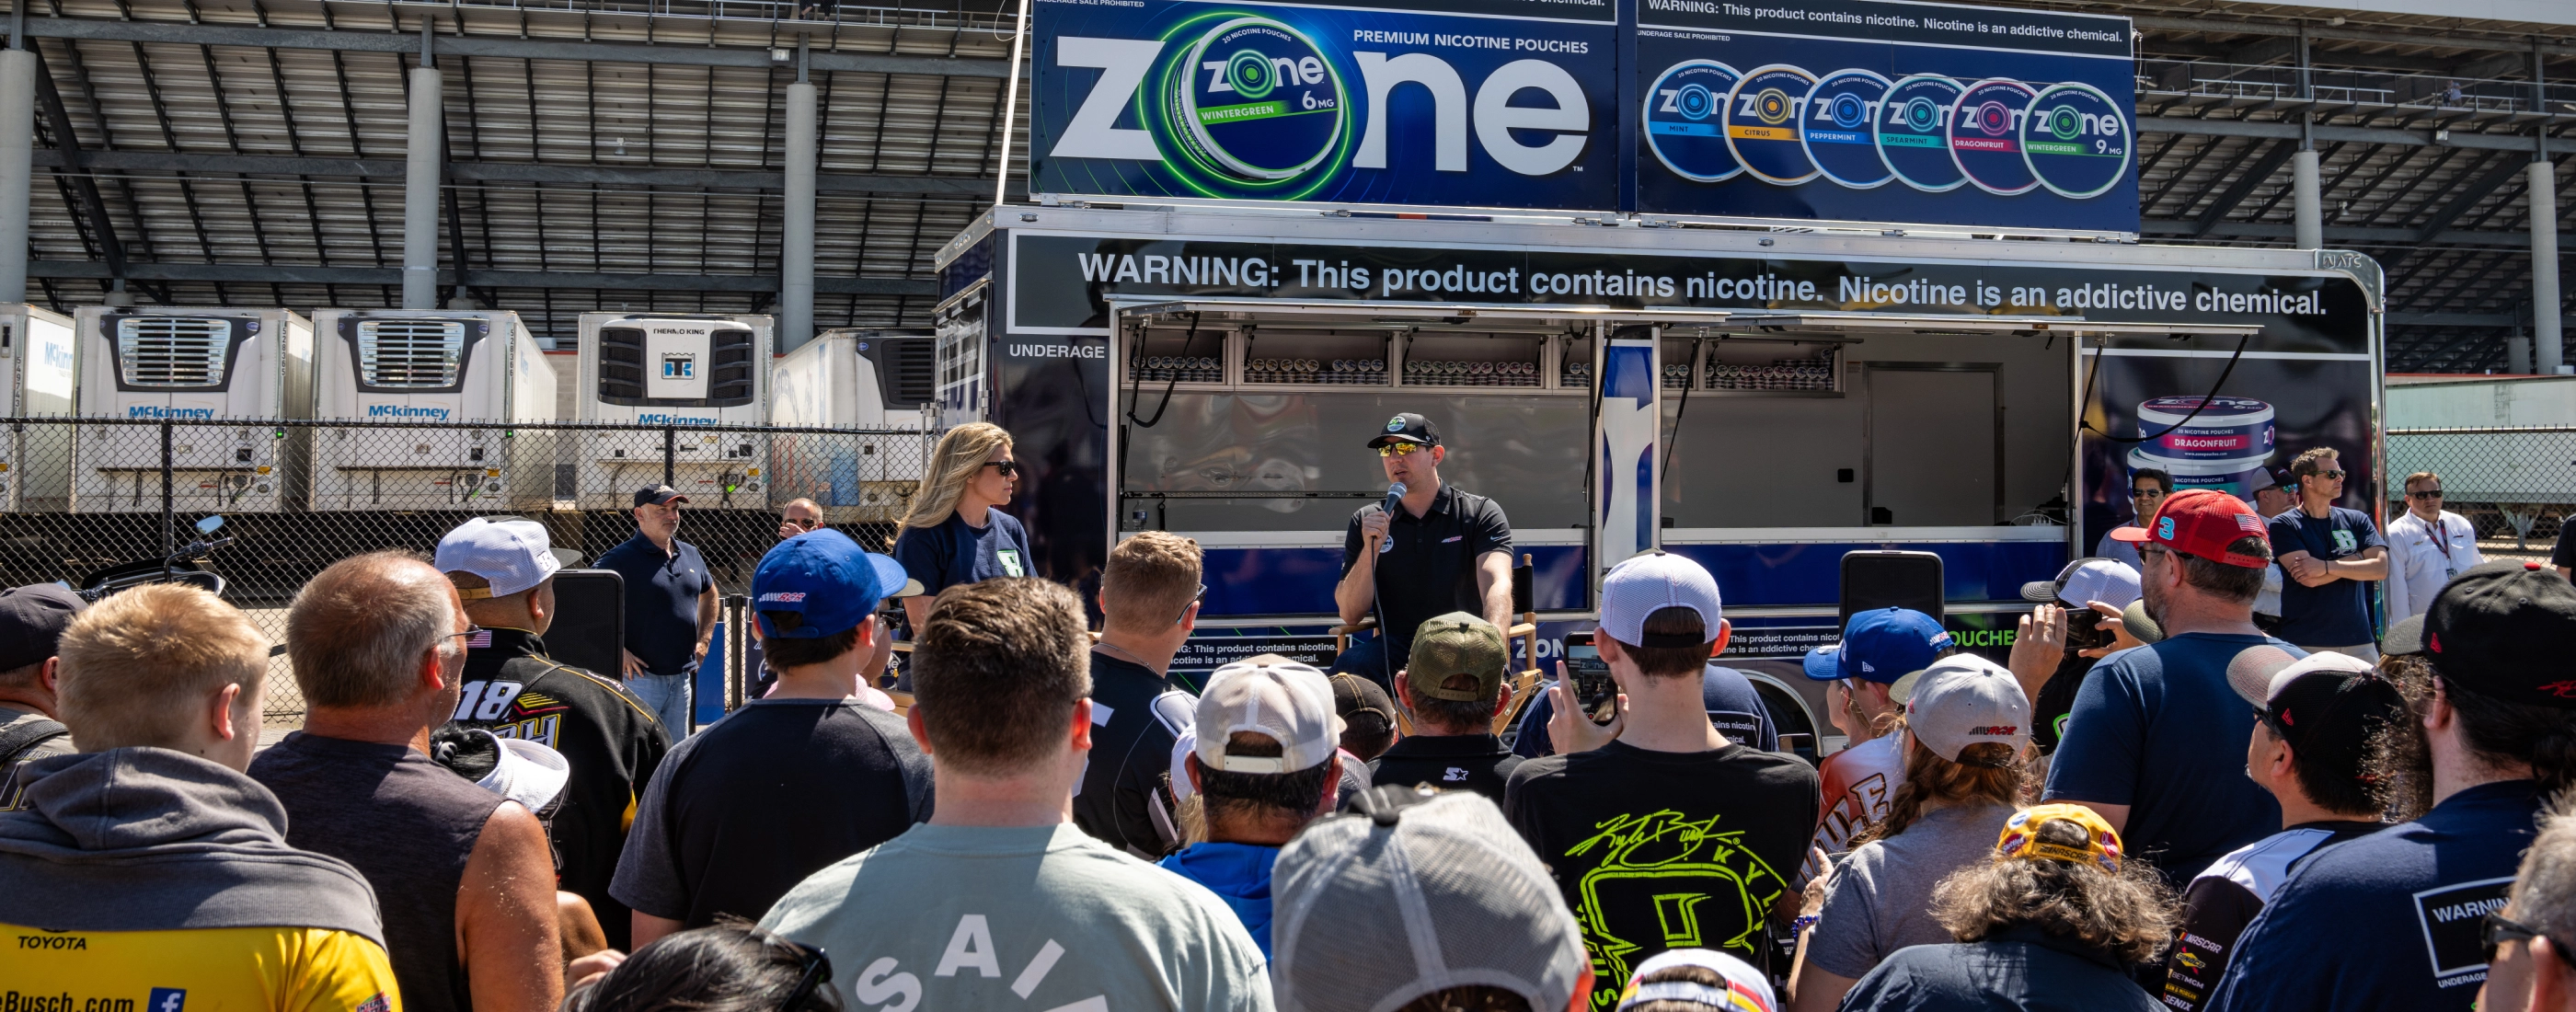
(199, 970)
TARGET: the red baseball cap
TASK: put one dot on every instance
(2201, 522)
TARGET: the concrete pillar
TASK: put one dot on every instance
(2306, 204)
(2545, 339)
(17, 144)
(796, 240)
(422, 158)
(2517, 354)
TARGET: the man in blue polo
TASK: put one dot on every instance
(670, 607)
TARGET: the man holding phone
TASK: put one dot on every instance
(1601, 815)
(1431, 551)
(1732, 705)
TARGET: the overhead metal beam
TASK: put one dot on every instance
(2216, 26)
(2468, 197)
(540, 48)
(2343, 134)
(306, 275)
(512, 172)
(2245, 183)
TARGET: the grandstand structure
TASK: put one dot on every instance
(643, 155)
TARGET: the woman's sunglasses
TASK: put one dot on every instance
(1008, 467)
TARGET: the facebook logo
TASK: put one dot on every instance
(167, 999)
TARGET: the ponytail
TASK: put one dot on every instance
(2502, 732)
(1993, 775)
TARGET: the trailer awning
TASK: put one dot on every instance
(1358, 314)
(1929, 323)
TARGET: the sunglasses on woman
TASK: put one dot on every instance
(1008, 467)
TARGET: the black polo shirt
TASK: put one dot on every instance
(1451, 762)
(1431, 570)
(662, 591)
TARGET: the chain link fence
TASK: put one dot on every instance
(81, 495)
(2517, 483)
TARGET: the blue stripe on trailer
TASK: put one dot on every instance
(1811, 573)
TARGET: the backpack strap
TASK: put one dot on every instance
(17, 740)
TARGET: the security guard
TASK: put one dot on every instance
(504, 570)
(1438, 550)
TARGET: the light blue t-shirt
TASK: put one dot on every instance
(1042, 917)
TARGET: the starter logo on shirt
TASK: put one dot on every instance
(1454, 775)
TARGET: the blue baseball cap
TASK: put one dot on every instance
(1885, 644)
(1824, 663)
(821, 583)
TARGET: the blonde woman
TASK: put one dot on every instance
(956, 533)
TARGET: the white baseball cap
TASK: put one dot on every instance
(512, 554)
(1281, 699)
(528, 773)
(2085, 581)
(1965, 700)
(1649, 582)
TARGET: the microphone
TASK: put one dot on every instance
(1394, 496)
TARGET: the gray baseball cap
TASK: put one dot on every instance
(1965, 700)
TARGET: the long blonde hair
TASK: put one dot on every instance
(961, 455)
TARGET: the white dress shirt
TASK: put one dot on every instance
(2424, 556)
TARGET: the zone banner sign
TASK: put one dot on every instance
(1886, 111)
(1490, 103)
(1820, 110)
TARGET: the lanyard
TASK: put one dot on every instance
(2442, 536)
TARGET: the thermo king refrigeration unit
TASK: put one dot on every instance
(41, 362)
(193, 366)
(879, 381)
(473, 373)
(682, 375)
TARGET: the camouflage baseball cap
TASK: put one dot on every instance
(1457, 644)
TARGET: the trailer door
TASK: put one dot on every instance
(1935, 445)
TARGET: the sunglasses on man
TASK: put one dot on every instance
(2497, 930)
(2430, 493)
(800, 522)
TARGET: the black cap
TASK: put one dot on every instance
(1362, 704)
(1407, 427)
(2505, 630)
(32, 620)
(2406, 637)
(655, 495)
(2331, 714)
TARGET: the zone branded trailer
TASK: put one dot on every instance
(1761, 402)
(193, 364)
(680, 371)
(874, 380)
(432, 365)
(42, 364)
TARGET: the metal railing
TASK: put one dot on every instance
(851, 15)
(2281, 82)
(2515, 483)
(79, 495)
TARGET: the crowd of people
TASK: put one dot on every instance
(2165, 797)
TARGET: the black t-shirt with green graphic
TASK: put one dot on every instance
(1667, 850)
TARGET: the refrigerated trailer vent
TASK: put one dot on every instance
(410, 353)
(172, 351)
(911, 373)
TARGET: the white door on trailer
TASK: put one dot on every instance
(1935, 446)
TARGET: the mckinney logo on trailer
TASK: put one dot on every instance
(1502, 103)
(406, 411)
(156, 411)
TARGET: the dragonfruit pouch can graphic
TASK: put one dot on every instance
(2234, 429)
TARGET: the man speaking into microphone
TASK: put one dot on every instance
(1429, 550)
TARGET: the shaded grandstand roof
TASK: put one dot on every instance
(608, 155)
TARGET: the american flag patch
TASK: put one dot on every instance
(481, 639)
(2250, 524)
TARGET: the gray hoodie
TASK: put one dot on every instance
(147, 839)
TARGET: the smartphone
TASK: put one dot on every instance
(2084, 630)
(1884, 579)
(1593, 688)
